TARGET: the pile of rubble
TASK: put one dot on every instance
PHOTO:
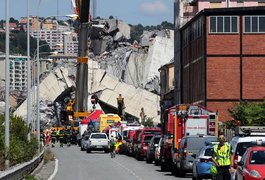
(135, 64)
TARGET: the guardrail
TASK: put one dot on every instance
(20, 171)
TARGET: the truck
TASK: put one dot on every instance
(98, 141)
(183, 120)
(105, 120)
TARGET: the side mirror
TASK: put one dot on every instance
(194, 156)
(240, 163)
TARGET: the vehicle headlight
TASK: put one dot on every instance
(255, 174)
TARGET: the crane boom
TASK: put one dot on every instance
(80, 109)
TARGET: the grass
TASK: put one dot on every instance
(29, 177)
(48, 156)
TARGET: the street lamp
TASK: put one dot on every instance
(38, 70)
(7, 122)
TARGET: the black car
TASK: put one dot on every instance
(150, 156)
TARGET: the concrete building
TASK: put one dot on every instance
(18, 71)
(166, 87)
(222, 58)
(60, 38)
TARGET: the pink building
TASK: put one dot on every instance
(191, 8)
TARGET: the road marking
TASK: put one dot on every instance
(127, 169)
(55, 169)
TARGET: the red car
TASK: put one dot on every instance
(252, 164)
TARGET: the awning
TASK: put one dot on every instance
(94, 116)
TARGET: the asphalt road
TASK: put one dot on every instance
(74, 164)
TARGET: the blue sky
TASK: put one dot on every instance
(146, 12)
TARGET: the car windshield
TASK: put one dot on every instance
(242, 147)
(98, 136)
(147, 139)
(208, 152)
(86, 137)
(156, 140)
(257, 157)
(197, 143)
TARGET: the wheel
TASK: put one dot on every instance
(88, 151)
(198, 178)
(157, 162)
(193, 178)
(182, 173)
(163, 167)
(148, 161)
(106, 151)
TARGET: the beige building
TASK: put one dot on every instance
(166, 87)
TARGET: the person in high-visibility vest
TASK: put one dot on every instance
(222, 158)
(117, 145)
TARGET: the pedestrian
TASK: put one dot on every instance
(222, 158)
(112, 146)
(48, 138)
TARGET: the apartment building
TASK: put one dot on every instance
(222, 58)
(18, 71)
(60, 38)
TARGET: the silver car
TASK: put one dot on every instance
(157, 152)
(84, 142)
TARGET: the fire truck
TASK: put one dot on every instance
(183, 120)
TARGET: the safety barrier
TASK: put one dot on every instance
(20, 171)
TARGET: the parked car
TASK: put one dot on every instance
(240, 144)
(190, 145)
(142, 146)
(202, 163)
(157, 152)
(150, 154)
(84, 142)
(97, 142)
(252, 164)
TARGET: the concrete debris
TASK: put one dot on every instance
(105, 35)
(50, 88)
(138, 64)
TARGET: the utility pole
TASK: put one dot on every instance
(7, 72)
(28, 73)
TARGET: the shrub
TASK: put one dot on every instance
(20, 149)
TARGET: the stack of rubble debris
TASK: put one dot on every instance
(135, 64)
(117, 67)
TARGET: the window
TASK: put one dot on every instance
(254, 24)
(98, 136)
(257, 157)
(223, 24)
(208, 152)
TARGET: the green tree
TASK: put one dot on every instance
(149, 122)
(249, 113)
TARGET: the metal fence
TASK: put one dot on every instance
(18, 172)
(229, 134)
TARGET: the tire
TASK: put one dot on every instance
(182, 173)
(163, 167)
(193, 178)
(148, 161)
(157, 162)
(88, 151)
(106, 151)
